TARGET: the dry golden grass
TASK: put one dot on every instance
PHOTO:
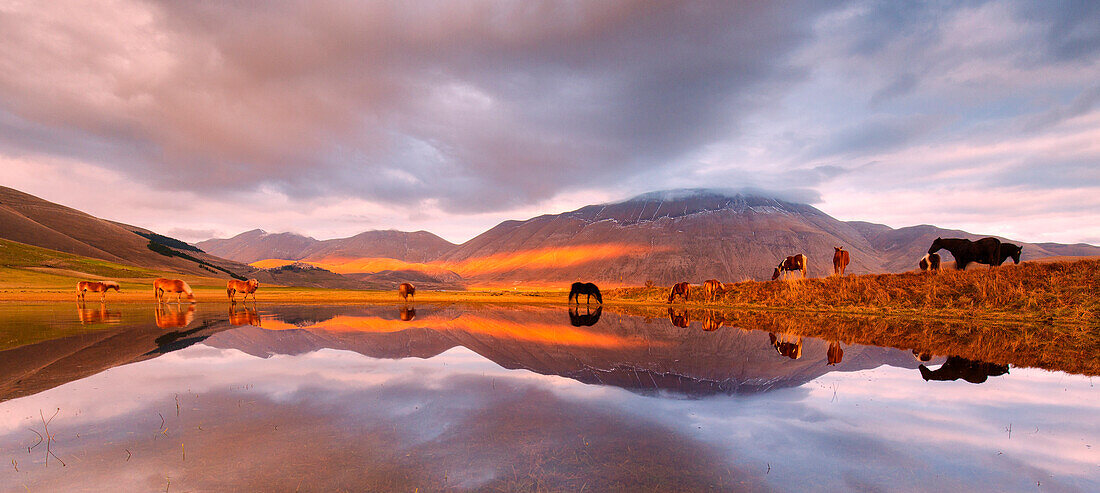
(1054, 291)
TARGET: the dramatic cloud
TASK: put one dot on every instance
(459, 114)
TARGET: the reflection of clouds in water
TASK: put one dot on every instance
(947, 435)
(886, 428)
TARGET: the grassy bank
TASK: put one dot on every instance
(1062, 291)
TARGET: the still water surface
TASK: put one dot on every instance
(453, 397)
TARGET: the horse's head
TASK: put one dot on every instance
(838, 249)
(775, 274)
(1014, 253)
(936, 245)
(253, 284)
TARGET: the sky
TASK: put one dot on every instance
(329, 118)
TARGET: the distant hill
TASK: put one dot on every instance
(30, 220)
(255, 245)
(57, 230)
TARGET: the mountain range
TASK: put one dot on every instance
(663, 237)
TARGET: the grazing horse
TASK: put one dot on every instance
(587, 319)
(405, 290)
(408, 313)
(83, 287)
(678, 318)
(1009, 250)
(835, 353)
(681, 289)
(787, 345)
(955, 368)
(984, 251)
(248, 287)
(840, 260)
(162, 286)
(930, 261)
(586, 289)
(712, 289)
(791, 264)
(247, 316)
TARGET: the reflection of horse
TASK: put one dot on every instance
(678, 318)
(971, 371)
(245, 316)
(97, 315)
(587, 289)
(407, 313)
(248, 287)
(1009, 250)
(712, 320)
(83, 287)
(169, 316)
(787, 344)
(923, 357)
(930, 261)
(587, 319)
(791, 264)
(712, 289)
(405, 290)
(835, 353)
(681, 289)
(162, 286)
(840, 260)
(984, 251)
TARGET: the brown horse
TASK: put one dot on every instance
(791, 264)
(169, 317)
(930, 261)
(681, 289)
(248, 287)
(835, 353)
(162, 286)
(83, 287)
(712, 289)
(405, 290)
(840, 260)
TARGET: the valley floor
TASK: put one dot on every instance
(1049, 292)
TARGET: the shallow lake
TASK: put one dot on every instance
(482, 397)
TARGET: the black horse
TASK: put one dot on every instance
(584, 289)
(984, 251)
(1009, 251)
(955, 368)
(588, 319)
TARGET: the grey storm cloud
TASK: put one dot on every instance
(479, 105)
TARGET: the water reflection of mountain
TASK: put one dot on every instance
(36, 367)
(621, 350)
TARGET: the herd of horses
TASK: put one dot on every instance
(162, 288)
(989, 251)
